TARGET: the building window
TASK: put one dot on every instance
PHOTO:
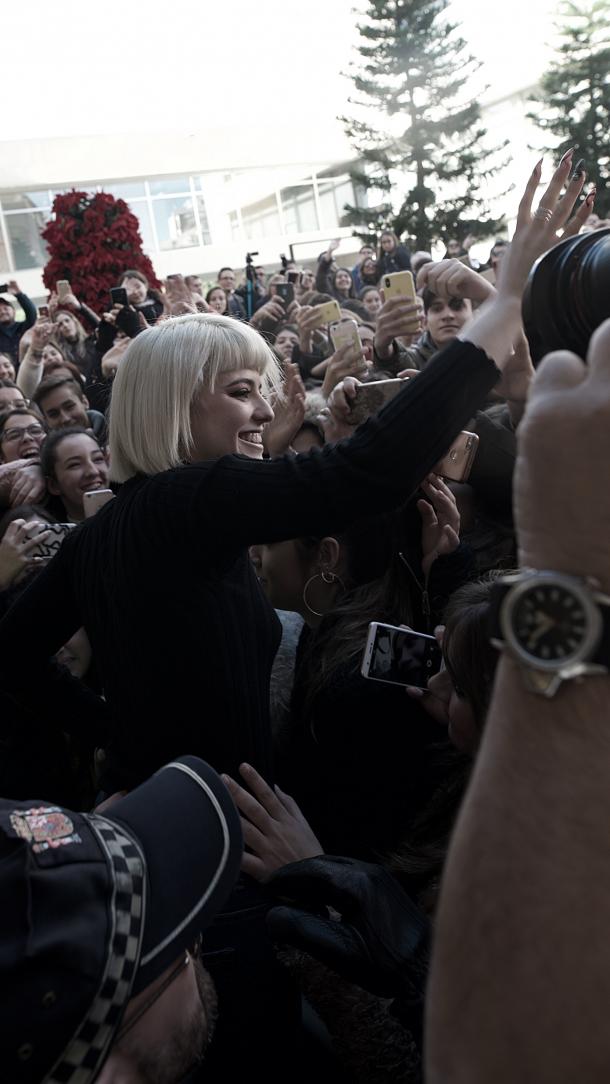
(299, 208)
(175, 223)
(27, 246)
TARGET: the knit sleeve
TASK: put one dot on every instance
(244, 501)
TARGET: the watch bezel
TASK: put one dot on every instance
(530, 582)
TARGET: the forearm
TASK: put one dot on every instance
(522, 925)
(495, 327)
(30, 373)
(29, 309)
(89, 314)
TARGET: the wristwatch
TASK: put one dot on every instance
(556, 627)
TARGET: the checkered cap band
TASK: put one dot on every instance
(85, 1053)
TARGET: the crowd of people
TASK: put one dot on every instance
(213, 821)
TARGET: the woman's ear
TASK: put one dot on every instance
(329, 554)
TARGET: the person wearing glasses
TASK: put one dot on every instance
(21, 434)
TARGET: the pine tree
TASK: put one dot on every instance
(573, 105)
(91, 240)
(415, 64)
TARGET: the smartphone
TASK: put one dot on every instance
(63, 289)
(293, 276)
(400, 656)
(457, 464)
(43, 312)
(48, 549)
(4, 288)
(345, 331)
(285, 290)
(372, 397)
(399, 284)
(326, 313)
(96, 499)
(118, 296)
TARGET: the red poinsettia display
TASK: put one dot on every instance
(92, 240)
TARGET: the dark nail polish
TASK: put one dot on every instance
(578, 169)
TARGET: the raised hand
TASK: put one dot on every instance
(19, 539)
(397, 317)
(440, 518)
(452, 278)
(346, 361)
(288, 411)
(561, 502)
(274, 829)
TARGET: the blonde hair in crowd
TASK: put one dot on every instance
(150, 425)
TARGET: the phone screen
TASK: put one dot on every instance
(118, 295)
(403, 658)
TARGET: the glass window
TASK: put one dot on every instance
(167, 186)
(203, 221)
(4, 260)
(261, 219)
(125, 190)
(29, 250)
(328, 207)
(299, 209)
(236, 234)
(175, 222)
(142, 213)
(20, 201)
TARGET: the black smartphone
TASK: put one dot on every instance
(400, 656)
(4, 288)
(118, 296)
(43, 311)
(293, 276)
(285, 290)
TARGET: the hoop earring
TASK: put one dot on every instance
(326, 577)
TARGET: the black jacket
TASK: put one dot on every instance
(10, 334)
(161, 580)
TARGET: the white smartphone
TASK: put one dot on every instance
(96, 499)
(345, 332)
(63, 289)
(46, 550)
(400, 656)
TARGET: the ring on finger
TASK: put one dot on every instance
(545, 214)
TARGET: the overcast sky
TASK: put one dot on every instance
(72, 68)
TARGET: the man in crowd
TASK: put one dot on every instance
(444, 318)
(64, 405)
(99, 972)
(227, 279)
(11, 329)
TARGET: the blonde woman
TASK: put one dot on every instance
(161, 579)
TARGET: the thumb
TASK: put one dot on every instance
(558, 371)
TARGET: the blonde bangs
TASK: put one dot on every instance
(149, 419)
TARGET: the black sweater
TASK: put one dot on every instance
(161, 579)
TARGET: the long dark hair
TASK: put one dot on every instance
(380, 585)
(472, 662)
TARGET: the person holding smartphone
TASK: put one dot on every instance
(11, 330)
(160, 578)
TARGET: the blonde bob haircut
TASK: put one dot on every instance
(162, 369)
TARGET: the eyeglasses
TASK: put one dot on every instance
(12, 435)
(173, 975)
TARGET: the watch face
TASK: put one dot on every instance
(550, 623)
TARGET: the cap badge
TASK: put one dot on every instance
(44, 827)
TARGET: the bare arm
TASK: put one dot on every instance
(520, 980)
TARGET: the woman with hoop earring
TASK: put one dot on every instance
(359, 756)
